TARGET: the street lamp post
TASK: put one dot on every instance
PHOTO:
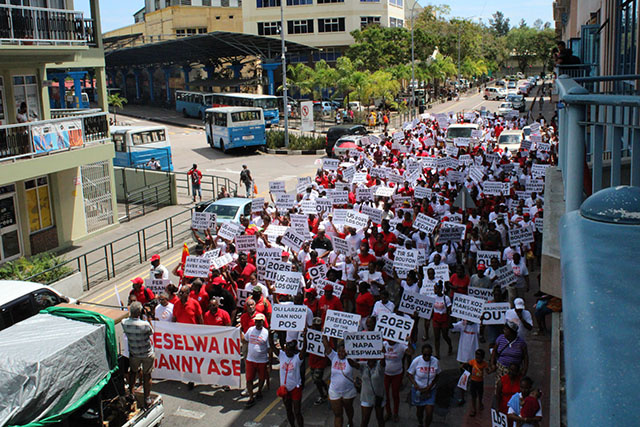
(285, 97)
(413, 67)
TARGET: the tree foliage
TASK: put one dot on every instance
(499, 24)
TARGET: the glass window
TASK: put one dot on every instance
(303, 26)
(136, 138)
(369, 20)
(220, 119)
(395, 22)
(369, 1)
(330, 1)
(118, 142)
(330, 25)
(245, 116)
(38, 204)
(25, 89)
(267, 3)
(626, 36)
(268, 28)
(396, 2)
(298, 2)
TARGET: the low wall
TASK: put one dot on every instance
(71, 286)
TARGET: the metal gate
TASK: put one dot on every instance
(96, 192)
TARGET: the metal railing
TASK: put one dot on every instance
(58, 113)
(105, 262)
(626, 84)
(140, 202)
(49, 136)
(209, 185)
(596, 127)
(577, 71)
(27, 25)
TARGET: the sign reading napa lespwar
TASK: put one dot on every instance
(363, 345)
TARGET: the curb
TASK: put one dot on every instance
(295, 152)
(164, 121)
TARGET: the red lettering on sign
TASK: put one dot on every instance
(213, 368)
(200, 342)
(226, 369)
(234, 346)
(186, 342)
(178, 342)
(236, 368)
(213, 346)
(199, 361)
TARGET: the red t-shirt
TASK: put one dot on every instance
(221, 318)
(202, 297)
(143, 295)
(459, 284)
(246, 321)
(263, 306)
(328, 304)
(187, 313)
(317, 362)
(364, 304)
(313, 305)
(366, 259)
(244, 274)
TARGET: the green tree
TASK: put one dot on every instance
(299, 77)
(384, 87)
(323, 78)
(116, 101)
(529, 45)
(499, 24)
(361, 84)
(377, 47)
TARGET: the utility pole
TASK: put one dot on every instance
(413, 66)
(458, 53)
(285, 97)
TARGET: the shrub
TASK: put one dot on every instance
(24, 268)
(275, 139)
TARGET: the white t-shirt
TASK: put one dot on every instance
(441, 303)
(511, 315)
(424, 372)
(520, 270)
(164, 314)
(379, 307)
(393, 355)
(341, 374)
(290, 369)
(258, 351)
(411, 288)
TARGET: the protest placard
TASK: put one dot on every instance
(338, 323)
(300, 224)
(339, 197)
(451, 150)
(463, 381)
(363, 194)
(538, 170)
(393, 327)
(308, 207)
(476, 173)
(466, 307)
(285, 201)
(212, 254)
(422, 192)
(288, 317)
(246, 242)
(375, 215)
(293, 239)
(492, 188)
(493, 313)
(451, 232)
(359, 178)
(535, 138)
(288, 282)
(330, 164)
(195, 266)
(356, 220)
(339, 215)
(441, 270)
(243, 294)
(465, 159)
(498, 419)
(194, 353)
(539, 222)
(320, 284)
(304, 180)
(317, 273)
(484, 257)
(425, 223)
(274, 231)
(455, 217)
(314, 343)
(276, 187)
(398, 201)
(428, 163)
(414, 301)
(323, 204)
(543, 146)
(340, 246)
(348, 173)
(476, 133)
(230, 230)
(397, 135)
(203, 220)
(405, 259)
(505, 277)
(536, 185)
(363, 345)
(482, 293)
(384, 191)
(157, 286)
(395, 177)
(525, 144)
(221, 261)
(257, 204)
(520, 236)
(275, 266)
(461, 142)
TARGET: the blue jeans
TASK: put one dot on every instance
(249, 189)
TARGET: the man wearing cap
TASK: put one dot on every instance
(258, 356)
(140, 292)
(157, 268)
(321, 244)
(328, 302)
(479, 279)
(521, 317)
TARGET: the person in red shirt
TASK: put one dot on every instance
(200, 294)
(328, 302)
(364, 302)
(364, 256)
(313, 260)
(262, 304)
(387, 235)
(216, 316)
(196, 177)
(187, 310)
(217, 279)
(406, 190)
(247, 319)
(312, 301)
(459, 280)
(142, 294)
(243, 270)
(172, 293)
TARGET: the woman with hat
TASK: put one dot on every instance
(509, 349)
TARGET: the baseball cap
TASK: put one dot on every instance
(321, 229)
(284, 253)
(328, 287)
(260, 316)
(518, 303)
(137, 281)
(317, 321)
(156, 257)
(481, 267)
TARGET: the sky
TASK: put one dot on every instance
(119, 13)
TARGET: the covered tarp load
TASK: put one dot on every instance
(53, 363)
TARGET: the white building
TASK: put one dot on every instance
(326, 24)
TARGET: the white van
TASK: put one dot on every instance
(21, 300)
(494, 93)
(461, 130)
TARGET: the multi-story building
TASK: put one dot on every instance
(56, 173)
(326, 24)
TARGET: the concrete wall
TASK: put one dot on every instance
(551, 274)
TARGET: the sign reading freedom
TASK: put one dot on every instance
(200, 354)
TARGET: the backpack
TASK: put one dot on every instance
(244, 175)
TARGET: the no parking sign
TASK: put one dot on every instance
(306, 114)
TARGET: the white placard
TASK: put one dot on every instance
(394, 328)
(293, 239)
(451, 232)
(384, 191)
(539, 222)
(422, 192)
(257, 204)
(359, 178)
(375, 215)
(466, 307)
(212, 254)
(364, 194)
(451, 150)
(356, 220)
(195, 266)
(414, 301)
(276, 187)
(538, 170)
(505, 277)
(405, 259)
(330, 164)
(285, 201)
(339, 197)
(363, 345)
(275, 266)
(536, 185)
(482, 293)
(243, 294)
(338, 323)
(518, 236)
(300, 224)
(274, 231)
(492, 188)
(425, 223)
(493, 313)
(288, 282)
(340, 246)
(484, 257)
(288, 317)
(339, 215)
(498, 419)
(308, 207)
(320, 284)
(263, 255)
(230, 230)
(317, 273)
(314, 342)
(220, 262)
(246, 242)
(543, 146)
(441, 270)
(157, 286)
(323, 204)
(203, 220)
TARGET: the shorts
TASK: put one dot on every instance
(253, 367)
(372, 404)
(347, 394)
(440, 320)
(420, 399)
(317, 374)
(196, 189)
(295, 394)
(146, 363)
(476, 388)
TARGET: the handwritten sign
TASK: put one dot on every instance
(363, 345)
(466, 307)
(412, 302)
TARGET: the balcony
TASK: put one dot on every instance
(48, 137)
(37, 26)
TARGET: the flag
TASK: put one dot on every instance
(185, 253)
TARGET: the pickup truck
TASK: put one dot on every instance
(61, 368)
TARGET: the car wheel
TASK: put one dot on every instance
(486, 97)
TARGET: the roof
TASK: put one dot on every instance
(202, 48)
(14, 289)
(248, 95)
(232, 201)
(231, 109)
(463, 125)
(114, 129)
(511, 132)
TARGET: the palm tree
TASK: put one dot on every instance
(299, 77)
(118, 102)
(361, 84)
(323, 78)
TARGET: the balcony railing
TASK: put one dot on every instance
(58, 113)
(602, 128)
(44, 137)
(25, 25)
(577, 71)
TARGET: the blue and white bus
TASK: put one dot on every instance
(194, 104)
(235, 127)
(142, 147)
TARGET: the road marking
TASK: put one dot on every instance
(273, 404)
(196, 415)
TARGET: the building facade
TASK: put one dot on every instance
(56, 170)
(325, 24)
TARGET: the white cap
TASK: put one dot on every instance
(518, 303)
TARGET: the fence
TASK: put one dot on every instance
(599, 128)
(140, 191)
(109, 260)
(147, 199)
(210, 185)
(58, 113)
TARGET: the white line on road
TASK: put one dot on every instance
(187, 413)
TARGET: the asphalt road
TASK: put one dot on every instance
(206, 405)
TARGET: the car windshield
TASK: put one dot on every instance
(506, 105)
(223, 211)
(512, 84)
(509, 139)
(267, 103)
(459, 133)
(514, 98)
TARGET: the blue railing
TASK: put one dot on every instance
(602, 128)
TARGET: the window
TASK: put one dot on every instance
(38, 204)
(220, 119)
(298, 2)
(369, 20)
(267, 3)
(25, 89)
(396, 22)
(330, 1)
(396, 2)
(268, 28)
(206, 2)
(218, 18)
(230, 16)
(184, 32)
(245, 116)
(330, 25)
(118, 142)
(329, 54)
(303, 26)
(369, 1)
(626, 36)
(202, 30)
